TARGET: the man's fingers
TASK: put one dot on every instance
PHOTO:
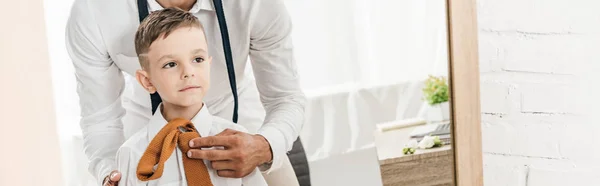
(229, 174)
(112, 179)
(211, 141)
(225, 165)
(210, 154)
(115, 177)
(227, 132)
(106, 182)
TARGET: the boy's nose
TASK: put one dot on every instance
(186, 75)
(187, 72)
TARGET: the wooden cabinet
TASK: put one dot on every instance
(425, 167)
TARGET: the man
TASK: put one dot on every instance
(100, 43)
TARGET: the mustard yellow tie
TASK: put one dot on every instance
(176, 132)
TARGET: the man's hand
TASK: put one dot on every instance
(112, 179)
(241, 154)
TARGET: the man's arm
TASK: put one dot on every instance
(99, 85)
(271, 53)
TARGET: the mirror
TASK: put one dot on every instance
(385, 105)
(375, 74)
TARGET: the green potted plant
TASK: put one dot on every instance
(436, 94)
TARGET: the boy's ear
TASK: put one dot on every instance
(144, 80)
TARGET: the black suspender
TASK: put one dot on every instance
(228, 59)
(142, 9)
(155, 98)
(142, 14)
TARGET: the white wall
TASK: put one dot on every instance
(535, 59)
(28, 137)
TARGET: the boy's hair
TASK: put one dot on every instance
(161, 23)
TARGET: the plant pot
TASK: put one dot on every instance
(438, 112)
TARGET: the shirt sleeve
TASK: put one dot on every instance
(274, 67)
(127, 165)
(254, 179)
(100, 84)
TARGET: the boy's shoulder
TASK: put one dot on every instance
(220, 124)
(138, 140)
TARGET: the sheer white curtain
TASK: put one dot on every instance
(359, 62)
(357, 43)
(340, 45)
(65, 96)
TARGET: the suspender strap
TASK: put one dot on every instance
(228, 59)
(143, 13)
(142, 9)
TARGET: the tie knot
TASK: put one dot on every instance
(184, 140)
(177, 132)
(185, 132)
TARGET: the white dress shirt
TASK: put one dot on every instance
(100, 42)
(129, 155)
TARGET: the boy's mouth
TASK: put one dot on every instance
(189, 88)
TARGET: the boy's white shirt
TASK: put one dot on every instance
(131, 151)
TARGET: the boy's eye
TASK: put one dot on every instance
(198, 60)
(170, 65)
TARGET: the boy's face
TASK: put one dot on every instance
(178, 67)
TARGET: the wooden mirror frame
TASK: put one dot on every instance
(463, 66)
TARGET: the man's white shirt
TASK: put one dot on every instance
(128, 155)
(100, 41)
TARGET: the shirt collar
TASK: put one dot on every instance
(199, 5)
(202, 121)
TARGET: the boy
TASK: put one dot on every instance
(172, 50)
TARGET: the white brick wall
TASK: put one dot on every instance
(539, 64)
